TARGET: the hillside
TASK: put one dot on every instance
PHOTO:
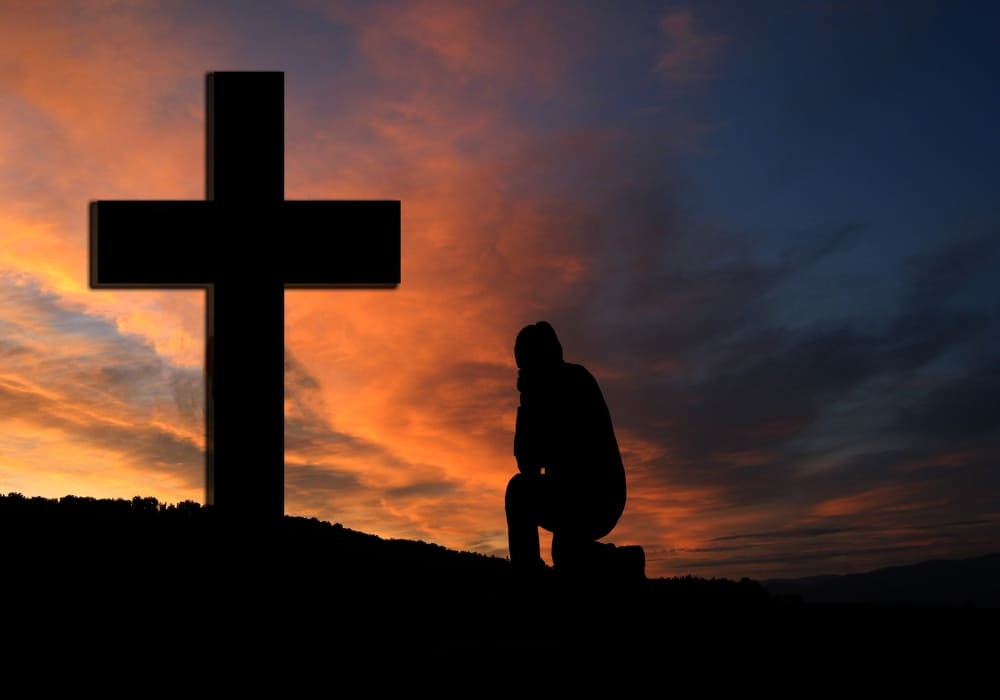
(75, 567)
(143, 547)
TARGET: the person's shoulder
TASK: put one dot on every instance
(580, 387)
(578, 373)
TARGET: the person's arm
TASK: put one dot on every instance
(525, 446)
(526, 450)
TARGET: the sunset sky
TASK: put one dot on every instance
(770, 230)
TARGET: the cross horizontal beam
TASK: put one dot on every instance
(193, 244)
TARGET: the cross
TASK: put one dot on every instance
(244, 245)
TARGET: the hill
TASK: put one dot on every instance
(177, 580)
(84, 539)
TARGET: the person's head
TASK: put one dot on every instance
(537, 347)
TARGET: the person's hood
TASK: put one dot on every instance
(537, 345)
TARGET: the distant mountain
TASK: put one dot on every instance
(973, 582)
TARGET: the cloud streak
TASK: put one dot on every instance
(88, 393)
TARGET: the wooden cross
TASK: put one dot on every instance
(244, 245)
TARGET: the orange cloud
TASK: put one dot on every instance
(869, 502)
(90, 118)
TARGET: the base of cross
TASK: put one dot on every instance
(599, 561)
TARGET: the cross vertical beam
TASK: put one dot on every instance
(245, 315)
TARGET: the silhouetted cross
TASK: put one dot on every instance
(244, 245)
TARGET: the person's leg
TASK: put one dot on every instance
(586, 515)
(523, 506)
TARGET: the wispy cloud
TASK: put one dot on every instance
(89, 396)
(691, 52)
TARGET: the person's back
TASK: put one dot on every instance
(585, 432)
(572, 479)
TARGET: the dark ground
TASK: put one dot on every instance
(174, 590)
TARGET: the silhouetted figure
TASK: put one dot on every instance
(571, 480)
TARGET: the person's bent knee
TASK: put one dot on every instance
(517, 492)
(524, 493)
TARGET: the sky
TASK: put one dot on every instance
(770, 230)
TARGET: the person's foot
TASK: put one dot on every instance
(605, 561)
(631, 561)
